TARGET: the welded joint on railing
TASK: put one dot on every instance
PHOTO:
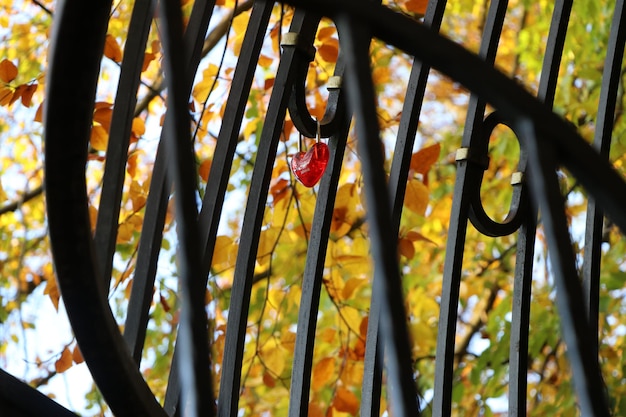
(517, 178)
(334, 82)
(465, 154)
(292, 39)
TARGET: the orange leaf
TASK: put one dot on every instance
(99, 138)
(6, 94)
(326, 32)
(38, 113)
(416, 6)
(147, 59)
(77, 355)
(363, 326)
(164, 303)
(414, 236)
(346, 401)
(156, 46)
(27, 95)
(422, 160)
(329, 50)
(52, 291)
(268, 380)
(205, 168)
(323, 371)
(17, 94)
(103, 116)
(8, 71)
(139, 126)
(64, 362)
(406, 248)
(416, 197)
(112, 49)
(131, 166)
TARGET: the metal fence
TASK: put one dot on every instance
(83, 261)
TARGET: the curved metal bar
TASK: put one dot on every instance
(574, 153)
(469, 177)
(80, 28)
(253, 216)
(520, 310)
(516, 104)
(518, 207)
(18, 399)
(546, 190)
(302, 42)
(602, 143)
(335, 106)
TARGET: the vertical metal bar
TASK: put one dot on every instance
(520, 315)
(554, 51)
(119, 137)
(602, 143)
(305, 24)
(372, 379)
(574, 321)
(468, 178)
(520, 312)
(156, 204)
(208, 219)
(312, 279)
(361, 98)
(192, 336)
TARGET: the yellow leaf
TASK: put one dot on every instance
(351, 286)
(112, 49)
(346, 401)
(203, 88)
(323, 372)
(416, 197)
(64, 362)
(224, 252)
(8, 71)
(274, 357)
(99, 138)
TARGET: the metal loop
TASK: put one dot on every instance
(298, 110)
(519, 200)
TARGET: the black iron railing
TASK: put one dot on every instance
(84, 261)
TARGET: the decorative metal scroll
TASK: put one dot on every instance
(83, 262)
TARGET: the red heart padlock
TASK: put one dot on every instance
(308, 167)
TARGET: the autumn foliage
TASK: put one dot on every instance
(30, 299)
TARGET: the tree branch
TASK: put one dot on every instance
(25, 198)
